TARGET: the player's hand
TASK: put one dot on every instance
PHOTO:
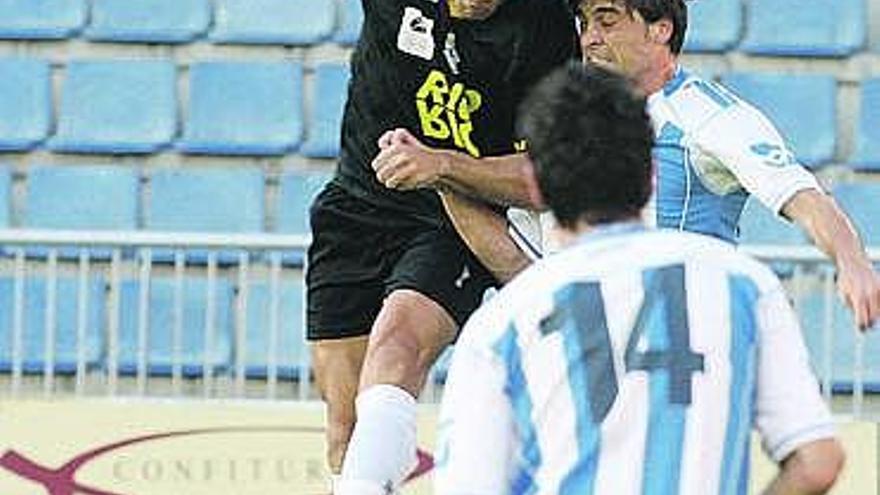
(473, 9)
(404, 163)
(859, 286)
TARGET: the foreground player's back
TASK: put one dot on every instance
(634, 362)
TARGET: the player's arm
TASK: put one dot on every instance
(751, 148)
(405, 163)
(475, 443)
(832, 231)
(486, 234)
(812, 468)
(795, 424)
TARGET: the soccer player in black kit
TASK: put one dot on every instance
(389, 280)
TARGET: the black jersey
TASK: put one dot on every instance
(455, 84)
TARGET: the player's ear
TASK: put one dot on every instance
(660, 32)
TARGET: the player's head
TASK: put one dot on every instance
(628, 35)
(590, 139)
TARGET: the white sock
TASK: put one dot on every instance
(382, 449)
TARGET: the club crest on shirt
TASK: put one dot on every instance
(416, 34)
(773, 154)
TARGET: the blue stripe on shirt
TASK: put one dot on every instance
(516, 389)
(743, 353)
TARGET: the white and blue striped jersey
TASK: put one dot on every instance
(635, 362)
(712, 150)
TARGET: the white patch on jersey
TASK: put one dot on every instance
(416, 34)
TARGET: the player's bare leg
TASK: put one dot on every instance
(408, 335)
(337, 364)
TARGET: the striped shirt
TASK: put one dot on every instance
(635, 362)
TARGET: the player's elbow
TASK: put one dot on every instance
(817, 465)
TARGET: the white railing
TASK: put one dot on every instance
(260, 257)
(811, 256)
(133, 254)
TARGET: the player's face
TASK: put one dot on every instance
(613, 36)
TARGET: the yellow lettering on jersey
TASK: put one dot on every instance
(520, 146)
(435, 100)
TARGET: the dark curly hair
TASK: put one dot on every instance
(654, 10)
(590, 140)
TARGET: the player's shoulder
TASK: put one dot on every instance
(690, 101)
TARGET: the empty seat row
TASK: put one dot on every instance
(771, 27)
(285, 22)
(256, 108)
(192, 199)
(167, 344)
(827, 28)
(131, 106)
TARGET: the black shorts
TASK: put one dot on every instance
(357, 258)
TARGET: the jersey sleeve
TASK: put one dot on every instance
(790, 410)
(744, 142)
(475, 427)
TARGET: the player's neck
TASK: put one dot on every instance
(660, 73)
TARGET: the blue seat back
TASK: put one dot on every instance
(861, 201)
(148, 21)
(117, 107)
(351, 17)
(867, 153)
(161, 346)
(41, 19)
(287, 22)
(297, 190)
(758, 225)
(328, 104)
(244, 108)
(5, 197)
(290, 345)
(25, 103)
(790, 27)
(81, 197)
(206, 200)
(713, 26)
(34, 331)
(781, 97)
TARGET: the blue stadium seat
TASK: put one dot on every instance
(25, 103)
(66, 318)
(117, 107)
(822, 28)
(41, 19)
(861, 200)
(713, 25)
(287, 22)
(244, 108)
(80, 198)
(297, 190)
(290, 345)
(206, 200)
(213, 200)
(148, 21)
(351, 17)
(5, 197)
(322, 136)
(812, 315)
(758, 225)
(867, 153)
(783, 98)
(160, 342)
